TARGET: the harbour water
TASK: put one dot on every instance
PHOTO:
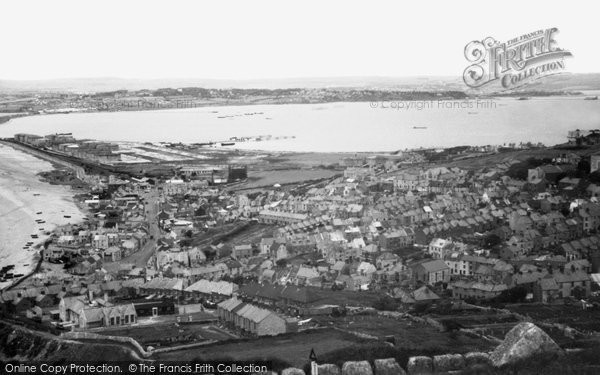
(335, 127)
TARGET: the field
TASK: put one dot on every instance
(160, 335)
(574, 316)
(408, 334)
(345, 340)
(293, 349)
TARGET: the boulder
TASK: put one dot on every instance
(388, 366)
(478, 359)
(448, 362)
(524, 341)
(292, 371)
(357, 368)
(329, 369)
(420, 365)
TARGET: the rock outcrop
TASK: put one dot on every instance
(524, 341)
(357, 368)
(329, 369)
(420, 365)
(448, 362)
(388, 366)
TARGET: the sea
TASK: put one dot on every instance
(335, 127)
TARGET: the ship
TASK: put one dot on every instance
(227, 143)
(523, 98)
(591, 98)
(419, 127)
(204, 144)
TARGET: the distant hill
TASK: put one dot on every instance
(113, 84)
(561, 82)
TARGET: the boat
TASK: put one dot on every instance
(419, 127)
(591, 98)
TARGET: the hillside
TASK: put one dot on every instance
(22, 344)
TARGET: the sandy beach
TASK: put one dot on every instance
(23, 199)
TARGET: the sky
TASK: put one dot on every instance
(229, 39)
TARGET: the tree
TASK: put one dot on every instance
(583, 168)
(491, 240)
(595, 177)
(578, 292)
(512, 295)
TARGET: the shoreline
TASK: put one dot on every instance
(25, 197)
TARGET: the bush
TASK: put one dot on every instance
(386, 303)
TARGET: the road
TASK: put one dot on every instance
(140, 259)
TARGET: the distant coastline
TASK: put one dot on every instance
(275, 98)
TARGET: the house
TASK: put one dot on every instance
(462, 289)
(458, 264)
(100, 241)
(547, 290)
(253, 319)
(212, 289)
(430, 271)
(439, 248)
(84, 316)
(112, 254)
(242, 251)
(280, 217)
(154, 307)
(306, 273)
(568, 281)
(424, 295)
(365, 269)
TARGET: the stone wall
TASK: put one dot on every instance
(421, 365)
(78, 335)
(524, 341)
